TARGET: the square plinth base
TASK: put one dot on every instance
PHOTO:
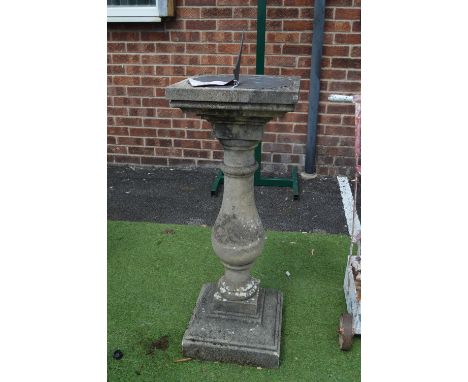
(215, 334)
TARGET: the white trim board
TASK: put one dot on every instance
(348, 203)
(135, 11)
(140, 13)
(134, 19)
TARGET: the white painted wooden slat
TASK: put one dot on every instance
(348, 203)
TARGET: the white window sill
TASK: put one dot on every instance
(133, 14)
(133, 19)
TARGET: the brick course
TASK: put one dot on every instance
(203, 38)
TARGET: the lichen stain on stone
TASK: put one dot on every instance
(229, 229)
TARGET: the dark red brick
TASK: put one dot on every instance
(216, 12)
(216, 36)
(170, 70)
(297, 3)
(143, 132)
(141, 47)
(126, 80)
(345, 86)
(199, 134)
(233, 2)
(297, 25)
(165, 47)
(292, 37)
(116, 149)
(113, 47)
(198, 25)
(347, 63)
(126, 159)
(181, 162)
(169, 113)
(356, 26)
(335, 50)
(349, 38)
(187, 143)
(126, 58)
(339, 130)
(187, 13)
(117, 130)
(158, 142)
(211, 145)
(280, 61)
(142, 112)
(168, 151)
(185, 36)
(333, 74)
(155, 59)
(125, 101)
(354, 75)
(201, 48)
(282, 13)
(139, 70)
(290, 138)
(171, 133)
(245, 13)
(336, 108)
(299, 50)
(238, 25)
(130, 141)
(117, 111)
(200, 2)
(197, 154)
(140, 92)
(141, 150)
(125, 36)
(155, 81)
(277, 147)
(123, 121)
(347, 14)
(155, 36)
(157, 122)
(356, 51)
(337, 26)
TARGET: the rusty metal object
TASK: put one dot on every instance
(238, 63)
(346, 331)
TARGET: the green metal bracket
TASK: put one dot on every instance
(260, 69)
(219, 180)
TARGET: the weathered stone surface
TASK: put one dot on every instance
(253, 89)
(252, 339)
(235, 320)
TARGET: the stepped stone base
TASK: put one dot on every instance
(218, 333)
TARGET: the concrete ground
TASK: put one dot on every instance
(182, 196)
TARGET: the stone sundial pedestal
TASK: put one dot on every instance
(235, 320)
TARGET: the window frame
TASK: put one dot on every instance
(143, 13)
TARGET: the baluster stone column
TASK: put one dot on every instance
(235, 320)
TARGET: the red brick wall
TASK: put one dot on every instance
(203, 38)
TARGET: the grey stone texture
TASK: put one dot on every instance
(253, 89)
(241, 316)
(215, 334)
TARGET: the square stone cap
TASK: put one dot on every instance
(253, 89)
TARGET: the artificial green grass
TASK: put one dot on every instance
(155, 273)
